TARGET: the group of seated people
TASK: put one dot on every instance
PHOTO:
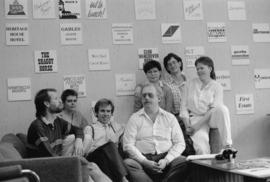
(171, 120)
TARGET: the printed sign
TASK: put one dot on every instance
(77, 83)
(224, 78)
(262, 78)
(244, 104)
(69, 9)
(216, 32)
(71, 33)
(45, 61)
(261, 32)
(236, 10)
(125, 84)
(147, 54)
(99, 59)
(171, 33)
(193, 9)
(17, 34)
(44, 9)
(16, 8)
(240, 55)
(122, 33)
(145, 9)
(19, 89)
(193, 53)
(96, 9)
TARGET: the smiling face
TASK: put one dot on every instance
(173, 66)
(203, 71)
(70, 103)
(104, 114)
(153, 75)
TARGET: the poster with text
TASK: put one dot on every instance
(147, 54)
(193, 9)
(96, 9)
(237, 10)
(99, 59)
(240, 55)
(77, 83)
(216, 32)
(224, 78)
(125, 84)
(244, 104)
(17, 34)
(122, 33)
(44, 9)
(171, 33)
(68, 9)
(145, 9)
(192, 53)
(262, 78)
(261, 32)
(45, 61)
(71, 33)
(16, 9)
(19, 89)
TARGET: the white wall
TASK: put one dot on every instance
(250, 132)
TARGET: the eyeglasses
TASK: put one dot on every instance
(150, 95)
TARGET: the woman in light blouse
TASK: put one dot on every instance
(203, 107)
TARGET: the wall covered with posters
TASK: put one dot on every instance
(98, 47)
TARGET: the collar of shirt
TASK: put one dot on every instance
(142, 112)
(47, 122)
(170, 80)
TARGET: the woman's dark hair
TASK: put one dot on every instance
(40, 98)
(68, 92)
(167, 59)
(209, 62)
(151, 64)
(103, 102)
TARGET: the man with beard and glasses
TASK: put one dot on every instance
(46, 134)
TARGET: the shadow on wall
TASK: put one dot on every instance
(253, 139)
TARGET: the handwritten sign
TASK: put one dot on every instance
(71, 33)
(193, 53)
(45, 61)
(69, 9)
(16, 9)
(145, 9)
(44, 9)
(193, 9)
(122, 33)
(261, 32)
(224, 78)
(236, 10)
(171, 33)
(99, 59)
(216, 32)
(262, 78)
(125, 84)
(147, 54)
(19, 89)
(96, 9)
(244, 104)
(240, 55)
(17, 34)
(77, 83)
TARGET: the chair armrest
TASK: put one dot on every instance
(53, 169)
(8, 172)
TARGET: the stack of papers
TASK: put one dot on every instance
(203, 156)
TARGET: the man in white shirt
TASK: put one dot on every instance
(154, 142)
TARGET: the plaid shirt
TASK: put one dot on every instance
(178, 90)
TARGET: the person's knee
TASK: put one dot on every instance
(220, 110)
(132, 164)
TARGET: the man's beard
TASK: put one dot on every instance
(56, 110)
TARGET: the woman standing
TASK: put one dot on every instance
(203, 107)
